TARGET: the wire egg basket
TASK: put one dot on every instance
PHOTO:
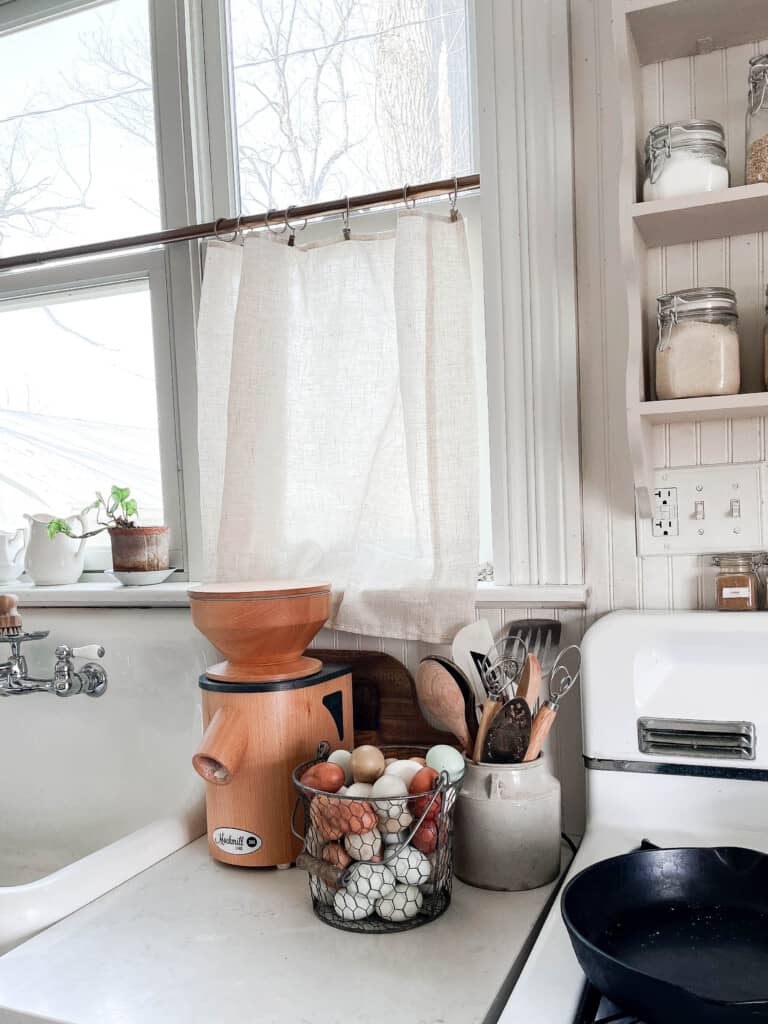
(377, 865)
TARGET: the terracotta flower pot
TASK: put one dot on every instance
(139, 548)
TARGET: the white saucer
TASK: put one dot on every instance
(141, 579)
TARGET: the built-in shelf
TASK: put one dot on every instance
(720, 408)
(735, 211)
(664, 29)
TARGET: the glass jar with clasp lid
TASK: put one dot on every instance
(683, 158)
(737, 583)
(757, 121)
(697, 354)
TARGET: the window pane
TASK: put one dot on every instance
(77, 133)
(78, 408)
(337, 97)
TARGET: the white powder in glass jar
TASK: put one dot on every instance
(700, 360)
(685, 173)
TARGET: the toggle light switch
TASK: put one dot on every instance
(735, 508)
(699, 509)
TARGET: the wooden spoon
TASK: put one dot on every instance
(441, 701)
(529, 686)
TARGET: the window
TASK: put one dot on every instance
(88, 397)
(343, 97)
(119, 117)
(77, 132)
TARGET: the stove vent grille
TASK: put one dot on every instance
(680, 737)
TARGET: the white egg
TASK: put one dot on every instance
(342, 758)
(363, 845)
(411, 866)
(446, 759)
(371, 880)
(394, 838)
(352, 907)
(404, 770)
(359, 789)
(341, 791)
(402, 905)
(388, 786)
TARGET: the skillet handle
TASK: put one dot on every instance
(646, 844)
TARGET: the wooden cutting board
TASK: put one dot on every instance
(385, 709)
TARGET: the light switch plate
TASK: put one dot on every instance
(694, 511)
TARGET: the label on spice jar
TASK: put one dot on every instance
(734, 592)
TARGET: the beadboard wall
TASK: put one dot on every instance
(563, 749)
(711, 86)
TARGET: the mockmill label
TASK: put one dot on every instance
(236, 841)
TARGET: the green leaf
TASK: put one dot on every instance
(57, 526)
(130, 507)
(119, 494)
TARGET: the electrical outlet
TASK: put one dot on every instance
(665, 519)
(706, 509)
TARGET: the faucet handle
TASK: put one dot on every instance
(89, 651)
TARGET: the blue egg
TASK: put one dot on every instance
(446, 759)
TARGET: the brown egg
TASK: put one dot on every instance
(325, 817)
(418, 760)
(425, 837)
(325, 776)
(367, 763)
(356, 816)
(335, 854)
(424, 781)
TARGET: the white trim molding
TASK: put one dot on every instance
(526, 168)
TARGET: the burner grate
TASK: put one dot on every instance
(596, 1009)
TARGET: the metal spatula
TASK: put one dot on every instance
(540, 636)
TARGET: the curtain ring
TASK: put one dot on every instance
(292, 236)
(268, 226)
(346, 230)
(235, 233)
(405, 199)
(454, 199)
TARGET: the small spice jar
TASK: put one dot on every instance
(757, 121)
(737, 584)
(698, 345)
(683, 158)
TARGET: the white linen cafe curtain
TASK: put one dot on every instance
(338, 422)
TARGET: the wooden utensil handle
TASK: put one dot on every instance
(490, 710)
(530, 681)
(540, 729)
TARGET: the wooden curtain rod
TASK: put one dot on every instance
(277, 218)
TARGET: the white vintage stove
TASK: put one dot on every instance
(675, 713)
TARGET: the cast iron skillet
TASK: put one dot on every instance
(675, 936)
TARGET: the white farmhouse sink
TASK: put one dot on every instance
(96, 790)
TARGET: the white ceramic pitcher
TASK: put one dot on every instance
(53, 562)
(11, 555)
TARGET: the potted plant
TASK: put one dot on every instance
(134, 548)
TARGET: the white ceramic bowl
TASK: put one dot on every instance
(141, 579)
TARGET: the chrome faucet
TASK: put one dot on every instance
(67, 681)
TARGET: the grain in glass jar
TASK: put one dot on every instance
(757, 121)
(697, 354)
(737, 584)
(683, 158)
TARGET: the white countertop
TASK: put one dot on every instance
(190, 941)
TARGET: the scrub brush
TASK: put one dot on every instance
(10, 620)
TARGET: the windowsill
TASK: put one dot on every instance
(174, 595)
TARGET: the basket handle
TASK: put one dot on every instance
(296, 834)
(322, 869)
